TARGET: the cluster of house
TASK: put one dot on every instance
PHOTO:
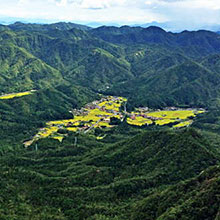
(180, 109)
(110, 100)
(142, 112)
(133, 116)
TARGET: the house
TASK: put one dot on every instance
(133, 117)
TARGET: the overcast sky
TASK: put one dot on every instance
(185, 14)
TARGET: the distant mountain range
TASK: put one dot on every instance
(175, 27)
(146, 60)
(168, 26)
(133, 173)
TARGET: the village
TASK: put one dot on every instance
(98, 114)
(170, 115)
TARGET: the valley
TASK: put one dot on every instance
(109, 123)
(99, 114)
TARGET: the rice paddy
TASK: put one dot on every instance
(98, 114)
(183, 124)
(177, 117)
(139, 121)
(15, 95)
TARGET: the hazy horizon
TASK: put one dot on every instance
(174, 15)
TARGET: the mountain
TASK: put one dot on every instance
(107, 64)
(21, 71)
(193, 199)
(45, 27)
(187, 83)
(192, 43)
(178, 27)
(117, 181)
(151, 172)
(168, 26)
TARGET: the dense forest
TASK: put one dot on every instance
(135, 173)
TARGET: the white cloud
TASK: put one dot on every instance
(95, 4)
(191, 4)
(100, 4)
(22, 2)
(62, 3)
(183, 13)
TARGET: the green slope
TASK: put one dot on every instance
(159, 71)
(197, 198)
(133, 173)
(187, 83)
(22, 71)
(94, 180)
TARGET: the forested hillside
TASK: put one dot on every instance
(127, 172)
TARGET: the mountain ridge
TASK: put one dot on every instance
(129, 172)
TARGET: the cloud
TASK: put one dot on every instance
(101, 4)
(89, 4)
(62, 3)
(184, 14)
(22, 2)
(191, 4)
(95, 4)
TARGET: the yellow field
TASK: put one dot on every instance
(59, 138)
(181, 114)
(164, 117)
(164, 121)
(14, 95)
(99, 113)
(183, 124)
(73, 129)
(105, 124)
(139, 121)
(90, 117)
(60, 122)
(111, 105)
(47, 131)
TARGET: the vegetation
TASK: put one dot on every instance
(112, 181)
(123, 171)
(145, 117)
(14, 95)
